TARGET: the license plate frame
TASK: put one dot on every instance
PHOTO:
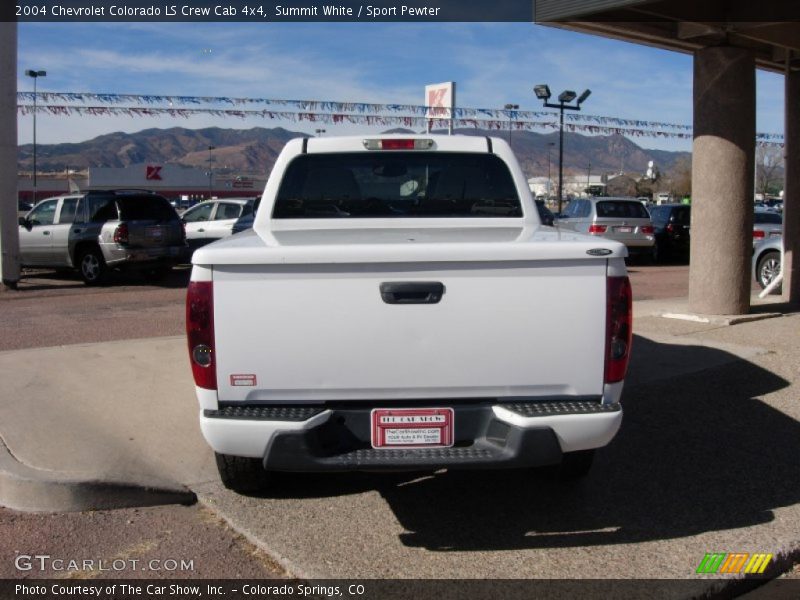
(392, 428)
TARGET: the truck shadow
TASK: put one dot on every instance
(697, 452)
(63, 279)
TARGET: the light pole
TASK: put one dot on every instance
(319, 132)
(210, 170)
(35, 75)
(509, 108)
(588, 179)
(542, 92)
(549, 176)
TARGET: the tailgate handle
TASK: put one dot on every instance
(415, 292)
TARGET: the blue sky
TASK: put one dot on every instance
(492, 64)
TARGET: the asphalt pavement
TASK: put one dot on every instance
(706, 461)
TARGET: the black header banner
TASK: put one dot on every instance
(258, 11)
(387, 589)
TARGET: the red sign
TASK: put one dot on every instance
(436, 97)
(243, 380)
(153, 173)
(412, 427)
(243, 182)
(440, 99)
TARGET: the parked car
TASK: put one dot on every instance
(545, 215)
(213, 220)
(245, 222)
(766, 225)
(621, 219)
(767, 262)
(182, 204)
(101, 230)
(671, 225)
(23, 208)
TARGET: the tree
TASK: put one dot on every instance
(769, 159)
(679, 178)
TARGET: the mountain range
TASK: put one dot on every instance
(253, 151)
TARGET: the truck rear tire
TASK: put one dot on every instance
(241, 474)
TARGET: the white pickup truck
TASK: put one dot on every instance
(398, 305)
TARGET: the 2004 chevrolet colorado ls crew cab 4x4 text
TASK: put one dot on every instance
(398, 305)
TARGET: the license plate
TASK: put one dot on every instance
(775, 234)
(412, 427)
(154, 233)
(624, 229)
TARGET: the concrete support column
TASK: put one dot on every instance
(723, 157)
(9, 232)
(791, 194)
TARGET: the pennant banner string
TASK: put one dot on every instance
(330, 106)
(363, 114)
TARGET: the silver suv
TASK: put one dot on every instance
(101, 230)
(624, 220)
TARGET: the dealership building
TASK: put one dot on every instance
(170, 180)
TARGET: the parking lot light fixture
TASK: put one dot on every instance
(542, 92)
(567, 96)
(35, 75)
(510, 108)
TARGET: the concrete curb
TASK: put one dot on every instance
(721, 319)
(678, 308)
(28, 489)
(205, 496)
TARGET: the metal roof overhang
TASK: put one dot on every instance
(771, 28)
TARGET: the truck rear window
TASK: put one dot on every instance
(631, 209)
(145, 208)
(396, 184)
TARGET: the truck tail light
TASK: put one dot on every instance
(597, 228)
(671, 228)
(398, 144)
(200, 333)
(183, 231)
(121, 235)
(758, 234)
(647, 229)
(619, 328)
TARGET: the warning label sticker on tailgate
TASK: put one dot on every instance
(243, 380)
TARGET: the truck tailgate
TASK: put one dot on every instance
(320, 332)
